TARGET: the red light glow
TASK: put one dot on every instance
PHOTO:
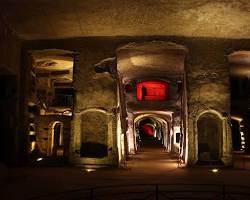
(152, 91)
(148, 130)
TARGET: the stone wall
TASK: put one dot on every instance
(207, 85)
(94, 93)
(43, 131)
(95, 100)
(208, 90)
(10, 54)
(192, 18)
(10, 50)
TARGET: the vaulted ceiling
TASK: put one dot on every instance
(47, 19)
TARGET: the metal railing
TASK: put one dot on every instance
(155, 192)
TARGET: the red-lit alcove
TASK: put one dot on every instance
(152, 91)
(148, 130)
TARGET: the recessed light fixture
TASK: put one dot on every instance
(39, 159)
(90, 170)
(215, 170)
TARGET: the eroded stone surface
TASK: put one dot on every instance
(64, 19)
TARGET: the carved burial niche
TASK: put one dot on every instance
(94, 128)
(209, 137)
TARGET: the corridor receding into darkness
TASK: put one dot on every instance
(151, 152)
(152, 156)
(97, 93)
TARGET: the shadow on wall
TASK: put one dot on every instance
(93, 150)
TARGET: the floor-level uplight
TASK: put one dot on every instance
(39, 159)
(90, 170)
(215, 170)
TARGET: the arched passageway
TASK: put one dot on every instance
(149, 131)
(154, 143)
(239, 62)
(237, 139)
(153, 139)
(151, 96)
(56, 146)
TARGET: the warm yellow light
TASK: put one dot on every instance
(67, 113)
(33, 145)
(90, 170)
(119, 132)
(239, 119)
(181, 163)
(39, 159)
(215, 170)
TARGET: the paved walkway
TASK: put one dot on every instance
(151, 158)
(151, 165)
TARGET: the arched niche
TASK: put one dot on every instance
(94, 134)
(55, 143)
(210, 132)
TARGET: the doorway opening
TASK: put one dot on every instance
(238, 138)
(239, 62)
(151, 131)
(56, 147)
